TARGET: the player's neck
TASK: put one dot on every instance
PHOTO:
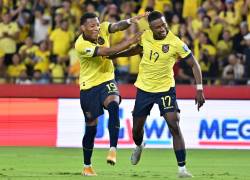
(160, 38)
(88, 39)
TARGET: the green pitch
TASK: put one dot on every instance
(64, 163)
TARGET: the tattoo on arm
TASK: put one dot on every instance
(119, 26)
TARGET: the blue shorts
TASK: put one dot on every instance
(92, 99)
(145, 101)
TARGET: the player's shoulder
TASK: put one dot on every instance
(146, 35)
(176, 41)
(80, 42)
(104, 26)
(172, 36)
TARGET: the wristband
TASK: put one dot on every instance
(129, 21)
(199, 87)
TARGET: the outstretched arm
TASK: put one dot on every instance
(104, 51)
(129, 52)
(124, 24)
(200, 99)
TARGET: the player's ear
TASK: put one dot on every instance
(82, 28)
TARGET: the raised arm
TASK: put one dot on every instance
(104, 51)
(200, 99)
(124, 24)
(129, 52)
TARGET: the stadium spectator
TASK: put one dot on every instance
(57, 20)
(8, 35)
(42, 58)
(41, 6)
(230, 17)
(23, 78)
(15, 69)
(213, 29)
(69, 14)
(175, 24)
(74, 65)
(196, 22)
(185, 35)
(38, 78)
(25, 25)
(234, 71)
(224, 46)
(61, 39)
(90, 8)
(27, 53)
(190, 9)
(28, 49)
(238, 40)
(247, 57)
(246, 11)
(109, 12)
(169, 13)
(3, 68)
(57, 70)
(205, 51)
(42, 25)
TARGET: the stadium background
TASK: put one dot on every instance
(39, 70)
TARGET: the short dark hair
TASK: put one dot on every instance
(154, 15)
(87, 16)
(208, 17)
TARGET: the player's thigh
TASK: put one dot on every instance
(172, 119)
(91, 104)
(167, 102)
(143, 104)
(109, 92)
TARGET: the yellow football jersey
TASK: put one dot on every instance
(159, 56)
(94, 70)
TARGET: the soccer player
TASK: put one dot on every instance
(98, 88)
(155, 84)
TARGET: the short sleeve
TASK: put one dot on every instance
(105, 27)
(182, 49)
(86, 49)
(143, 36)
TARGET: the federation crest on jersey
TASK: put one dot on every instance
(165, 48)
(100, 40)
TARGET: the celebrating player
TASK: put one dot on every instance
(155, 84)
(97, 84)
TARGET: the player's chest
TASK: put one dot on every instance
(159, 52)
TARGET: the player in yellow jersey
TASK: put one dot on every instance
(98, 88)
(155, 84)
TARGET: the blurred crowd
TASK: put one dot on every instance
(37, 38)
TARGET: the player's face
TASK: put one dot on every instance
(91, 28)
(159, 28)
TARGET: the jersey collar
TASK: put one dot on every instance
(86, 39)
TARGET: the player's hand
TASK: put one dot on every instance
(136, 38)
(199, 99)
(138, 17)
